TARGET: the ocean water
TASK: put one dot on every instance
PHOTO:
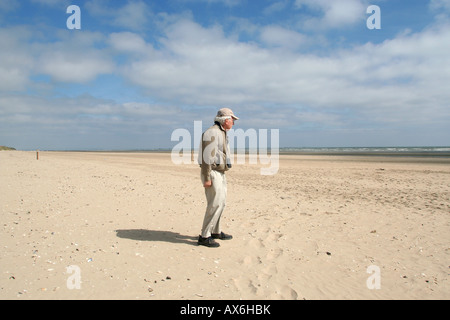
(412, 151)
(443, 151)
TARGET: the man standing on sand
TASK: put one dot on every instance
(214, 161)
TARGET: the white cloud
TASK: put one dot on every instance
(441, 9)
(276, 7)
(198, 59)
(335, 14)
(276, 36)
(83, 122)
(69, 67)
(129, 42)
(133, 15)
(16, 62)
(74, 58)
(440, 5)
(53, 3)
(228, 3)
(9, 5)
(392, 82)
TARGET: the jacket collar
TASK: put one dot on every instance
(220, 126)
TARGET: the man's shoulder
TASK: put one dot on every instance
(213, 128)
(214, 133)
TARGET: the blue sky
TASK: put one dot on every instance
(138, 70)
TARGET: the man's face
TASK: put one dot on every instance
(228, 124)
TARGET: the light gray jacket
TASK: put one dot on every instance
(214, 151)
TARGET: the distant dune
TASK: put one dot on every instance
(3, 148)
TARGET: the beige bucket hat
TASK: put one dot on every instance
(226, 112)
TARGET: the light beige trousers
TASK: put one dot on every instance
(216, 197)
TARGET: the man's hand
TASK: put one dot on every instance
(207, 184)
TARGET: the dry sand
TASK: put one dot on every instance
(128, 223)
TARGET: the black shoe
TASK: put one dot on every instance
(221, 236)
(207, 242)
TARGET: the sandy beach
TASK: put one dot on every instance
(125, 226)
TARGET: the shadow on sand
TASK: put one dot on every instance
(156, 235)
